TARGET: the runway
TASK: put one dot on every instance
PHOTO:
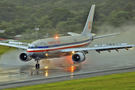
(15, 73)
(64, 77)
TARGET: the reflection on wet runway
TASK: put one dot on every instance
(27, 72)
(12, 73)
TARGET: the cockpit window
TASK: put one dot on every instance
(42, 44)
(32, 46)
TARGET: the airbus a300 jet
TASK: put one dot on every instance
(63, 46)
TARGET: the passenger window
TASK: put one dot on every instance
(32, 46)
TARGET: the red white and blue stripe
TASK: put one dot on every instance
(59, 46)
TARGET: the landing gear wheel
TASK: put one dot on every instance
(37, 66)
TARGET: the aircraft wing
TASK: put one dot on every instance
(98, 49)
(14, 45)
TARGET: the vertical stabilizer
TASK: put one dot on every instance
(88, 25)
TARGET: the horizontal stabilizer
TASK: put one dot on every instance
(105, 36)
(73, 34)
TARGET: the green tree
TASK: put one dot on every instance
(129, 9)
(60, 14)
(119, 18)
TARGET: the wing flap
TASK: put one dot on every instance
(115, 48)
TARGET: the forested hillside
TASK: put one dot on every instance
(60, 16)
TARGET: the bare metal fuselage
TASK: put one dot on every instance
(51, 47)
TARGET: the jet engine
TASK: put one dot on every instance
(25, 57)
(78, 57)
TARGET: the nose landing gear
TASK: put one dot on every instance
(44, 62)
(37, 65)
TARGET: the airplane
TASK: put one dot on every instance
(75, 45)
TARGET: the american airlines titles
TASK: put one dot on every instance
(54, 42)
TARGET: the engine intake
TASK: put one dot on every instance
(25, 57)
(78, 57)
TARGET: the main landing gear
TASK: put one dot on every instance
(37, 65)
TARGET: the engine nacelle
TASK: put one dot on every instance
(78, 57)
(25, 57)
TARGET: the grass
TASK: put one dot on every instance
(4, 49)
(125, 81)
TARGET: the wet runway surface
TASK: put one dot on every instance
(28, 72)
(94, 62)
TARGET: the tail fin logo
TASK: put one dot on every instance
(89, 25)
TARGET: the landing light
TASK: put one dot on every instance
(73, 52)
(46, 54)
(56, 37)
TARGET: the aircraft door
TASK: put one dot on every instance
(75, 41)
